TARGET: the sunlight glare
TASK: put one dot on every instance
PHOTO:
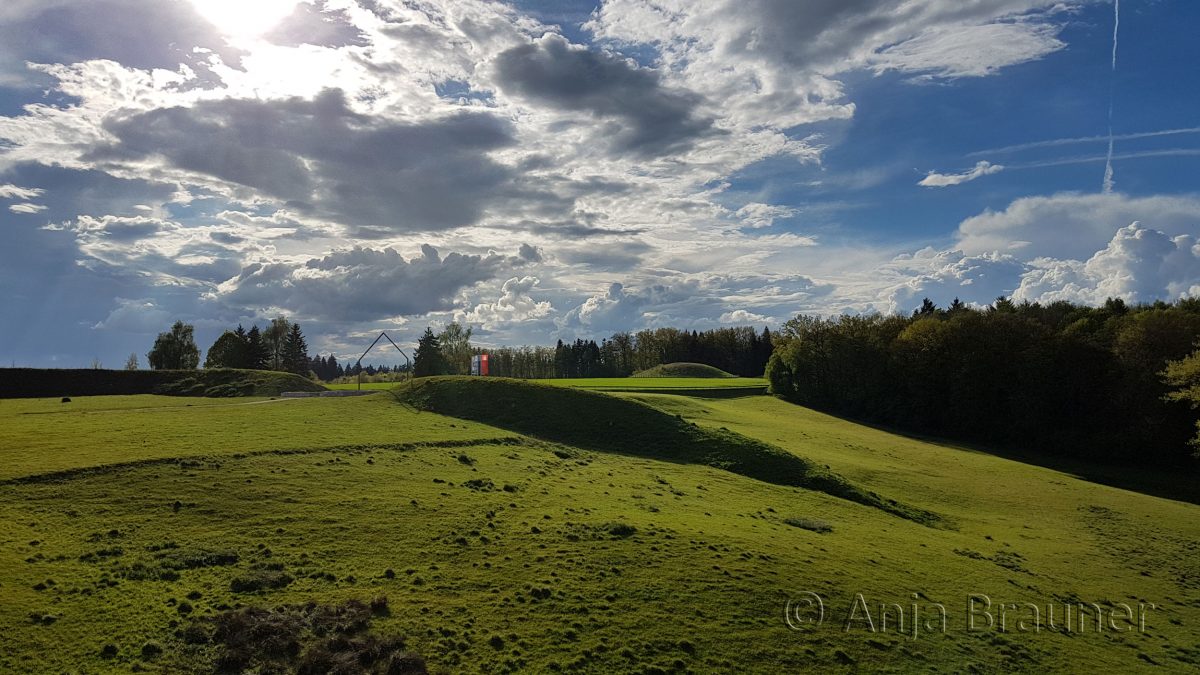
(244, 18)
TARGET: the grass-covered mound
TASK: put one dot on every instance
(605, 423)
(54, 382)
(683, 370)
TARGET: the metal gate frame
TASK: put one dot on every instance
(358, 363)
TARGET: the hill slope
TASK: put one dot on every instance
(508, 554)
(217, 382)
(604, 423)
(683, 370)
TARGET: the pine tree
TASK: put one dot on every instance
(428, 359)
(293, 355)
(256, 350)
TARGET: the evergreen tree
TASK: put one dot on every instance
(927, 308)
(256, 350)
(293, 356)
(428, 359)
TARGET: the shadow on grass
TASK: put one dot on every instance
(603, 423)
(1178, 483)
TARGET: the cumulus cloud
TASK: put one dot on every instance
(639, 113)
(1072, 226)
(942, 275)
(515, 305)
(697, 301)
(742, 316)
(604, 312)
(1139, 264)
(360, 284)
(982, 168)
(321, 158)
(141, 315)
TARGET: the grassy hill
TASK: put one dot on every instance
(683, 370)
(130, 526)
(596, 421)
(217, 382)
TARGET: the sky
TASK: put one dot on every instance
(544, 170)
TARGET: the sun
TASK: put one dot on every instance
(244, 18)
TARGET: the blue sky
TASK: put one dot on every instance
(545, 170)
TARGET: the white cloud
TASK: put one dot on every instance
(1139, 264)
(935, 179)
(135, 316)
(9, 191)
(773, 62)
(943, 275)
(1071, 225)
(742, 316)
(971, 50)
(515, 305)
(26, 208)
(756, 214)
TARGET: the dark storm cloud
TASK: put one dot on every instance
(363, 284)
(325, 160)
(642, 116)
(316, 24)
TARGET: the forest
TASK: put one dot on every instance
(740, 351)
(1114, 381)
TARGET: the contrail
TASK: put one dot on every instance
(1055, 142)
(1107, 186)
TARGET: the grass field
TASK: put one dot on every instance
(657, 383)
(500, 551)
(683, 370)
(620, 383)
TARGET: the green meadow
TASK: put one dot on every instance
(513, 527)
(756, 384)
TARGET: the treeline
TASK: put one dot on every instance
(741, 351)
(327, 369)
(1059, 378)
(281, 346)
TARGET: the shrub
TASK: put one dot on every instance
(305, 639)
(620, 529)
(810, 524)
